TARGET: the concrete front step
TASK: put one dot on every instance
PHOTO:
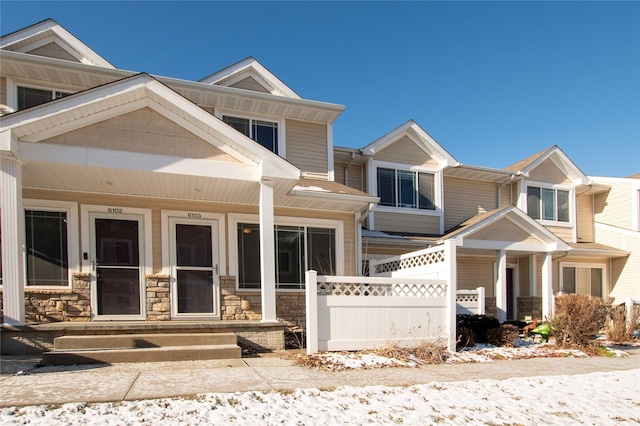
(133, 341)
(156, 354)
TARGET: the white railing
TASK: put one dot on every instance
(352, 313)
(470, 301)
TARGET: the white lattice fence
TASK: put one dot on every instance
(351, 313)
(470, 301)
(431, 263)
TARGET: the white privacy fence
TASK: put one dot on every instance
(470, 301)
(433, 262)
(351, 313)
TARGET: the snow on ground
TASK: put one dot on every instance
(604, 398)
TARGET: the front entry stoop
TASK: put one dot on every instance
(107, 349)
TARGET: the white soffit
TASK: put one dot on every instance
(49, 31)
(250, 67)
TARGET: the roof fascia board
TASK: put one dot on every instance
(337, 109)
(251, 64)
(311, 194)
(65, 36)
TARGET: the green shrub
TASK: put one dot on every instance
(479, 324)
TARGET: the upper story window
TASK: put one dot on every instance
(406, 188)
(548, 204)
(261, 131)
(29, 96)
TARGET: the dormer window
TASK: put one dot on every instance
(261, 131)
(548, 204)
(30, 96)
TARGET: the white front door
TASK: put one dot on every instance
(117, 258)
(194, 268)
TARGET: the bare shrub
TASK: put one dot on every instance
(577, 320)
(620, 328)
(505, 335)
(465, 337)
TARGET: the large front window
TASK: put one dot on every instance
(29, 96)
(261, 131)
(297, 248)
(46, 246)
(548, 204)
(584, 280)
(406, 188)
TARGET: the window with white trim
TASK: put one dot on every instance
(586, 280)
(31, 96)
(262, 131)
(406, 188)
(548, 204)
(47, 253)
(297, 248)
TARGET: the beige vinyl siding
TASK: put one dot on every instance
(143, 131)
(549, 173)
(307, 146)
(464, 198)
(3, 91)
(523, 275)
(52, 50)
(585, 219)
(508, 195)
(409, 223)
(405, 151)
(474, 272)
(625, 272)
(503, 230)
(355, 178)
(614, 208)
(250, 84)
(156, 205)
(566, 233)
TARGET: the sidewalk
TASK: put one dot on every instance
(103, 383)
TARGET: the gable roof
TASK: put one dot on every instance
(81, 109)
(515, 216)
(250, 68)
(559, 159)
(47, 32)
(421, 138)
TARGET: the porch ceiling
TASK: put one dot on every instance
(51, 176)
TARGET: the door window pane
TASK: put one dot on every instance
(193, 245)
(569, 280)
(117, 242)
(46, 245)
(596, 282)
(195, 292)
(290, 257)
(118, 291)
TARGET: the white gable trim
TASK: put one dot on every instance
(560, 160)
(62, 37)
(251, 67)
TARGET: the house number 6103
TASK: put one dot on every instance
(194, 215)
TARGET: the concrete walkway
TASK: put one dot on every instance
(103, 383)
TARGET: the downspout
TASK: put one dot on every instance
(346, 169)
(360, 218)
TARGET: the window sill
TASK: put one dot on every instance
(48, 290)
(555, 223)
(405, 210)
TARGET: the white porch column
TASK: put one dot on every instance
(533, 276)
(547, 286)
(452, 268)
(12, 228)
(267, 255)
(501, 285)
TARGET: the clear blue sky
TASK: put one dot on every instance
(492, 82)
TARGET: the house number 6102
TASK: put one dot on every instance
(194, 215)
(114, 210)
